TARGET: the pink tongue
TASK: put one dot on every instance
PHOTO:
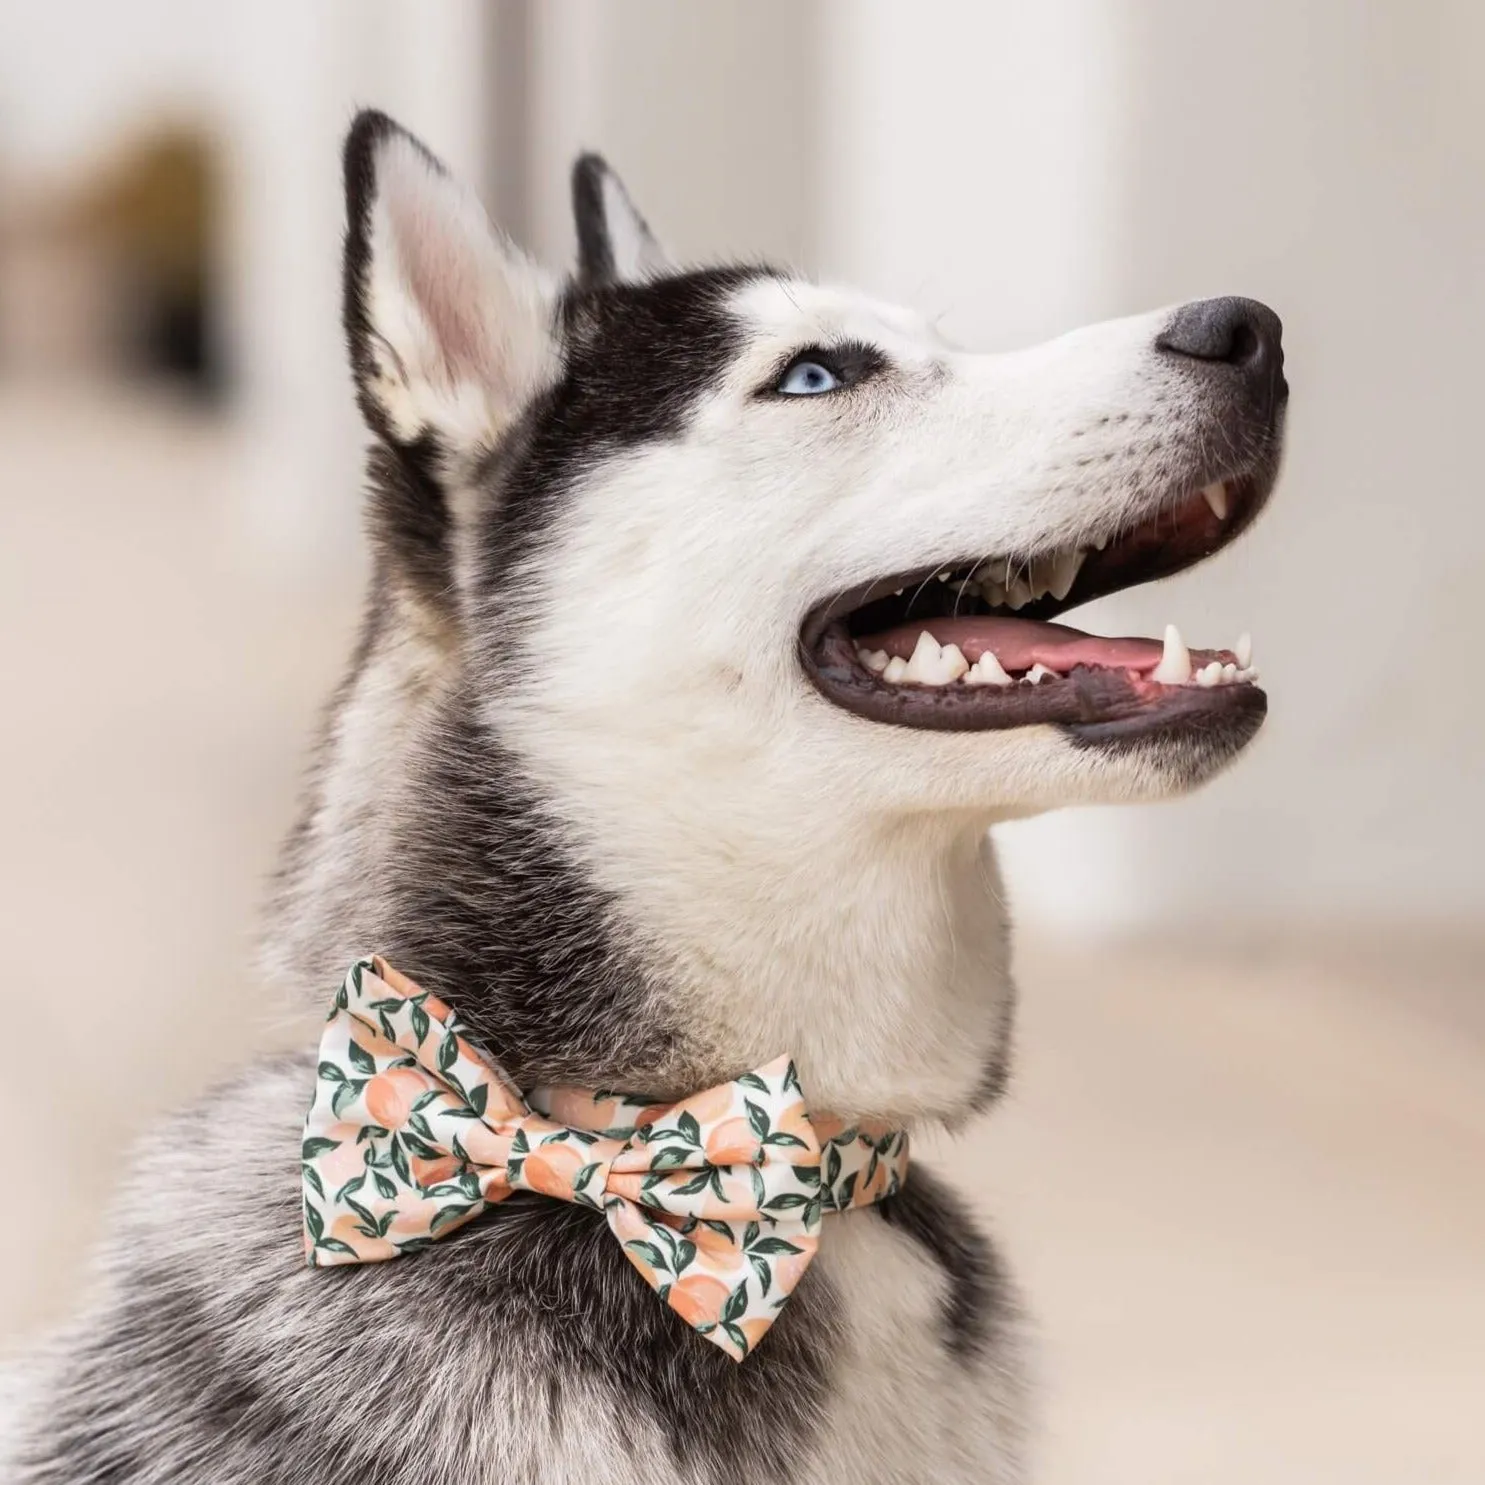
(1021, 643)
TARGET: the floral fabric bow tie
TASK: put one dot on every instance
(716, 1199)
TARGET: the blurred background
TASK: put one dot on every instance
(1242, 1171)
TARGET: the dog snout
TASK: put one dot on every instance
(1237, 338)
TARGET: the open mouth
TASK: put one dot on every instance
(969, 646)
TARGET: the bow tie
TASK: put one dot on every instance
(716, 1199)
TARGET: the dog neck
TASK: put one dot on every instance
(639, 937)
(874, 951)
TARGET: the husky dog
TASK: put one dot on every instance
(708, 632)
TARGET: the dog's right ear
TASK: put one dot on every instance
(615, 244)
(449, 326)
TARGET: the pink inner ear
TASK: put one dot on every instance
(442, 271)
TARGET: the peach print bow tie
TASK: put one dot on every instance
(716, 1199)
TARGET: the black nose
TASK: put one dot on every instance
(1240, 333)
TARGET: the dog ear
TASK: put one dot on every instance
(449, 326)
(615, 245)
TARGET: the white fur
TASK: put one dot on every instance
(744, 790)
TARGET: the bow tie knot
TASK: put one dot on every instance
(716, 1199)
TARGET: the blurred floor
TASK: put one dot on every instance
(1240, 1182)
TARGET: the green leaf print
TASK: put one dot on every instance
(313, 1222)
(783, 1140)
(764, 1272)
(420, 1021)
(399, 1162)
(685, 1255)
(334, 1245)
(348, 1092)
(772, 1245)
(758, 1120)
(312, 1180)
(690, 1130)
(737, 1338)
(354, 1184)
(448, 1052)
(364, 1213)
(384, 1188)
(785, 1201)
(479, 1097)
(448, 1215)
(648, 1251)
(317, 1145)
(330, 1073)
(753, 1081)
(737, 1303)
(361, 1059)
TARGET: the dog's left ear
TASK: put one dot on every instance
(615, 244)
(449, 325)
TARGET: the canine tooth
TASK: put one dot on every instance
(1101, 543)
(1216, 496)
(896, 670)
(1065, 573)
(1039, 672)
(1209, 675)
(1175, 661)
(987, 671)
(1243, 649)
(925, 666)
(944, 577)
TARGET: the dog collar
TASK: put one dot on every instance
(716, 1199)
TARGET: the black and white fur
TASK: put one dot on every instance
(576, 783)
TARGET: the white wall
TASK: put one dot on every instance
(279, 81)
(1024, 168)
(707, 111)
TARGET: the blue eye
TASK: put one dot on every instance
(807, 379)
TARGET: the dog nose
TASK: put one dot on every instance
(1239, 333)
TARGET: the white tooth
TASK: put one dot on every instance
(944, 577)
(1210, 675)
(1243, 649)
(896, 670)
(994, 592)
(954, 663)
(1018, 593)
(874, 659)
(925, 664)
(1175, 663)
(1229, 674)
(897, 592)
(1216, 497)
(1065, 573)
(1039, 672)
(987, 671)
(1101, 543)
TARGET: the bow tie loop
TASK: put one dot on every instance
(716, 1199)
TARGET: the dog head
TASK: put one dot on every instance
(726, 532)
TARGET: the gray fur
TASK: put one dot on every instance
(651, 887)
